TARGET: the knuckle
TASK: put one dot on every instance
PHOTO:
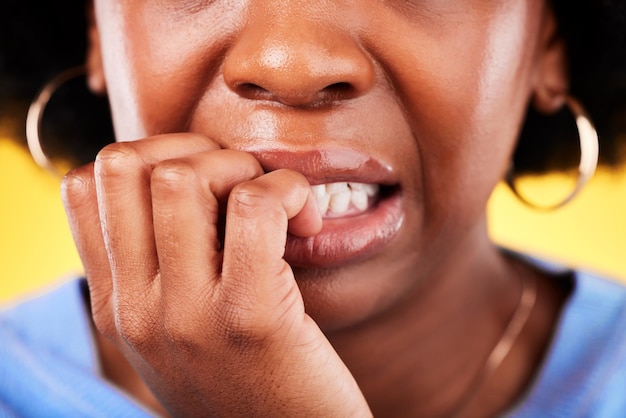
(76, 188)
(249, 200)
(172, 174)
(241, 337)
(117, 158)
(136, 329)
(186, 328)
(178, 337)
(248, 321)
(241, 340)
(136, 335)
(241, 328)
(248, 194)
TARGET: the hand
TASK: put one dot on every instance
(213, 329)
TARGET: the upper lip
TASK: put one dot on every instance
(328, 165)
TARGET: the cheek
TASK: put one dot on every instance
(159, 65)
(465, 89)
(118, 69)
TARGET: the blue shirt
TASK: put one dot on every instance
(48, 361)
(584, 373)
(49, 367)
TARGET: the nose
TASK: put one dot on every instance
(297, 57)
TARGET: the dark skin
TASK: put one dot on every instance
(212, 271)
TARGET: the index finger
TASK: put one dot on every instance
(256, 280)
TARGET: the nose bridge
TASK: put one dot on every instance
(296, 53)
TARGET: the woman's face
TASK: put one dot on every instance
(423, 98)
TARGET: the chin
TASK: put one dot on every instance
(339, 298)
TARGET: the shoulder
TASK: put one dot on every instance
(49, 365)
(584, 373)
(54, 320)
(43, 339)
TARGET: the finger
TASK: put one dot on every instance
(79, 198)
(256, 280)
(186, 196)
(308, 221)
(122, 175)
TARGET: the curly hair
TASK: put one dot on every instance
(36, 44)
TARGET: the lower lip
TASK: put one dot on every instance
(350, 239)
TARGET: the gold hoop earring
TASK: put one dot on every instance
(589, 150)
(35, 116)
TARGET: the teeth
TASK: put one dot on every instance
(323, 202)
(369, 189)
(342, 197)
(319, 190)
(359, 199)
(336, 188)
(340, 202)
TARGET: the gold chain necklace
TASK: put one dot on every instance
(504, 345)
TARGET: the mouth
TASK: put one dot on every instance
(360, 200)
(343, 199)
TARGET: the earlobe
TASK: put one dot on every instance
(552, 81)
(95, 70)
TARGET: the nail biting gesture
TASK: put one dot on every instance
(210, 316)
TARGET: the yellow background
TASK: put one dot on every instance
(36, 246)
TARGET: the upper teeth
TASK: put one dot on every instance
(336, 198)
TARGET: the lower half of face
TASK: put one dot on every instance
(402, 114)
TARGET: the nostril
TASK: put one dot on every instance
(331, 93)
(341, 87)
(339, 91)
(253, 91)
